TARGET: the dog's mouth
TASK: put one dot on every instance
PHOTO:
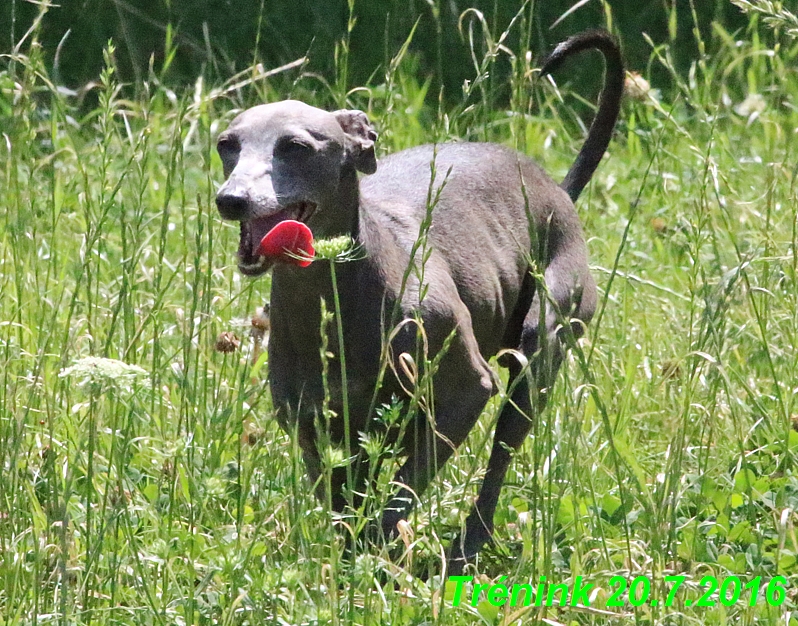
(250, 262)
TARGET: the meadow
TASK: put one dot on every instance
(143, 479)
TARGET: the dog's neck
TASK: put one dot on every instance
(349, 201)
(339, 216)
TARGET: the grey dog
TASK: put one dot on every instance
(497, 219)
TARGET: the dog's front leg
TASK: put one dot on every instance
(463, 383)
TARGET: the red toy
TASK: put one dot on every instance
(290, 242)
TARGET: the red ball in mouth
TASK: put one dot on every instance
(289, 241)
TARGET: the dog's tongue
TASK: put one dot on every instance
(290, 242)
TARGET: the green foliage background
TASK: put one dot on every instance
(218, 37)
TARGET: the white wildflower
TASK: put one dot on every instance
(92, 370)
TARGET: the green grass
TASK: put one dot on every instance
(164, 493)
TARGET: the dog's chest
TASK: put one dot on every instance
(305, 366)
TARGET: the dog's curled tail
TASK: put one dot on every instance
(600, 133)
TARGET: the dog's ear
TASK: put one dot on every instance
(360, 139)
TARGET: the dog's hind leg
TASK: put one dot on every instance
(573, 296)
(512, 427)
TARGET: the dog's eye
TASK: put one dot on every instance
(292, 147)
(226, 143)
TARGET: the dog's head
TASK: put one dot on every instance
(285, 161)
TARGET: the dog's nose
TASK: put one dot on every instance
(231, 206)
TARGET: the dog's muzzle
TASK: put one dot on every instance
(250, 262)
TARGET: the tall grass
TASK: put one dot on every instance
(143, 479)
